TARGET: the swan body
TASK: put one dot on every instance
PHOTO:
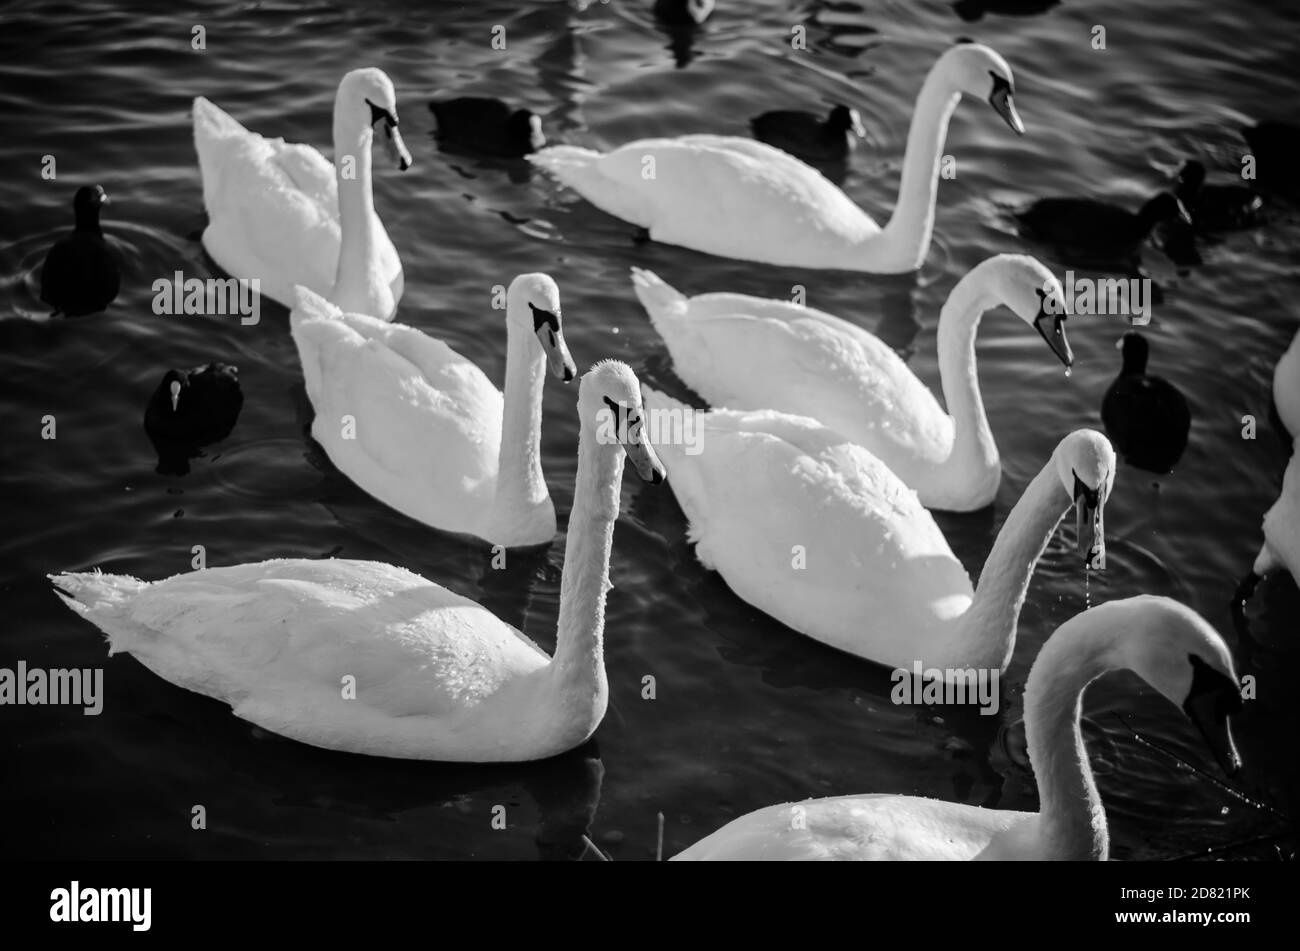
(1167, 644)
(422, 429)
(738, 198)
(435, 675)
(280, 213)
(80, 275)
(1286, 388)
(815, 531)
(1281, 548)
(743, 352)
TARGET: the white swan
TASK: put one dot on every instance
(1286, 387)
(1281, 548)
(817, 532)
(280, 213)
(739, 198)
(743, 352)
(1170, 646)
(422, 429)
(434, 675)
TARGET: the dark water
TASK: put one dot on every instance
(747, 712)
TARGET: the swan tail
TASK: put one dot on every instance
(103, 600)
(660, 300)
(582, 170)
(213, 128)
(1265, 561)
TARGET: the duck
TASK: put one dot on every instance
(192, 408)
(737, 198)
(747, 353)
(1146, 417)
(1216, 207)
(279, 213)
(422, 429)
(80, 275)
(807, 137)
(487, 126)
(1166, 643)
(1275, 147)
(367, 657)
(815, 531)
(1096, 230)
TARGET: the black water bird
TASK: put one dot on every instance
(809, 137)
(1146, 417)
(1095, 229)
(1275, 147)
(487, 126)
(81, 275)
(1216, 207)
(190, 409)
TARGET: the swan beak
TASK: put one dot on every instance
(397, 148)
(1051, 327)
(1005, 106)
(1209, 710)
(1090, 525)
(557, 352)
(645, 459)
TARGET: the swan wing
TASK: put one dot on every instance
(721, 195)
(744, 352)
(406, 417)
(815, 531)
(860, 828)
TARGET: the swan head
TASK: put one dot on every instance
(978, 71)
(1085, 464)
(1176, 651)
(1032, 293)
(609, 398)
(533, 305)
(370, 93)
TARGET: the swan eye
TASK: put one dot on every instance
(1212, 690)
(544, 318)
(379, 112)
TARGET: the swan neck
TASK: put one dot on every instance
(520, 483)
(912, 223)
(974, 449)
(986, 636)
(357, 239)
(579, 651)
(1072, 820)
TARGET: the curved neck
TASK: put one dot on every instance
(357, 238)
(973, 447)
(911, 225)
(520, 483)
(986, 635)
(579, 663)
(1072, 822)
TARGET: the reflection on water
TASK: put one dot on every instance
(747, 713)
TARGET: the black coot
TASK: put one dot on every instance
(808, 137)
(80, 275)
(1096, 230)
(1276, 148)
(1146, 417)
(487, 126)
(190, 409)
(1216, 207)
